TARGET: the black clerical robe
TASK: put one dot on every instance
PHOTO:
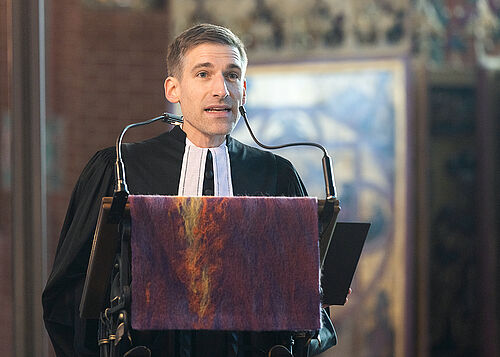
(152, 167)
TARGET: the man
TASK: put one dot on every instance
(206, 75)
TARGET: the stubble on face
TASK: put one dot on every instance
(210, 91)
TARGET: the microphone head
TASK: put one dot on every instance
(172, 118)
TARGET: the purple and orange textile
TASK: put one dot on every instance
(224, 263)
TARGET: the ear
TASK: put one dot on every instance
(172, 89)
(244, 100)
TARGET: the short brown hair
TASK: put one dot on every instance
(197, 35)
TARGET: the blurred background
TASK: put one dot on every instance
(404, 93)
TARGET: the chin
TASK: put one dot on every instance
(225, 130)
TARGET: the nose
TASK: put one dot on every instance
(219, 86)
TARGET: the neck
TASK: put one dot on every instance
(203, 141)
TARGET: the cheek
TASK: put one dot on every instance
(236, 90)
(196, 93)
(189, 99)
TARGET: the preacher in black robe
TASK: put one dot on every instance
(152, 167)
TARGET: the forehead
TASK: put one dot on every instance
(213, 53)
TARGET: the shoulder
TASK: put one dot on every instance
(279, 171)
(247, 152)
(172, 140)
(102, 161)
(107, 155)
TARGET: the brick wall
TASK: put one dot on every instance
(106, 70)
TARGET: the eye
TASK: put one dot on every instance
(233, 76)
(202, 74)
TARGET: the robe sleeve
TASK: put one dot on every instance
(62, 294)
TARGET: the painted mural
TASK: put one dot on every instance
(358, 111)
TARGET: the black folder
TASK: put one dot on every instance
(341, 260)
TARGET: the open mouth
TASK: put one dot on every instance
(217, 109)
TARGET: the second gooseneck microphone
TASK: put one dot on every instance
(327, 161)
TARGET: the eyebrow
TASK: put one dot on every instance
(234, 66)
(210, 65)
(202, 65)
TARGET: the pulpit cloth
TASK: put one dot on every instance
(224, 263)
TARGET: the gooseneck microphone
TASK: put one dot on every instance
(327, 161)
(121, 192)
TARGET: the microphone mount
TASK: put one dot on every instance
(121, 192)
